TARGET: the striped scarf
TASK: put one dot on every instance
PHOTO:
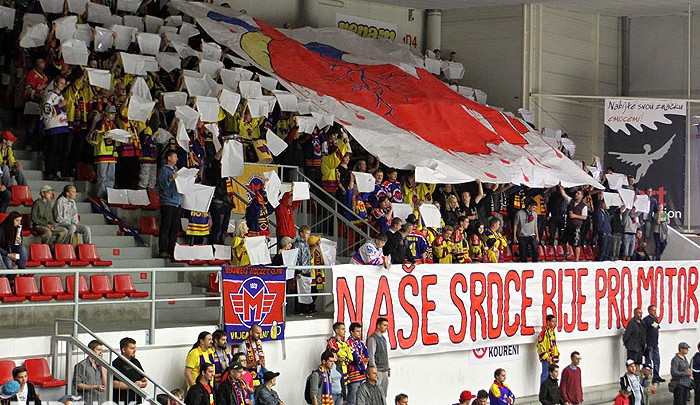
(326, 387)
(239, 393)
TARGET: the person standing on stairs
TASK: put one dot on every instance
(10, 166)
(170, 201)
(65, 212)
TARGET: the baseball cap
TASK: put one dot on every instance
(285, 240)
(269, 375)
(411, 219)
(629, 362)
(683, 345)
(466, 396)
(9, 389)
(237, 366)
(314, 239)
(8, 136)
(45, 188)
(111, 109)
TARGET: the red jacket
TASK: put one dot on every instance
(285, 216)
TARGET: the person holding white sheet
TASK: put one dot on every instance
(56, 128)
(105, 151)
(239, 252)
(170, 202)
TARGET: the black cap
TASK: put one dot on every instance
(236, 366)
(269, 375)
(411, 219)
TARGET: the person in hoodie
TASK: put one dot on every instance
(285, 217)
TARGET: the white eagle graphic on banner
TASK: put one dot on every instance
(644, 160)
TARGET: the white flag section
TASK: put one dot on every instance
(257, 250)
(196, 252)
(275, 143)
(627, 197)
(232, 159)
(168, 61)
(149, 44)
(139, 108)
(138, 197)
(75, 52)
(128, 5)
(134, 21)
(616, 180)
(250, 89)
(453, 70)
(7, 17)
(77, 6)
(210, 68)
(208, 108)
(119, 135)
(642, 204)
(222, 252)
(229, 100)
(503, 304)
(153, 23)
(273, 188)
(141, 89)
(430, 214)
(300, 191)
(286, 100)
(196, 84)
(64, 27)
(125, 35)
(365, 182)
(182, 138)
(211, 51)
(306, 124)
(52, 6)
(115, 196)
(162, 136)
(289, 258)
(185, 179)
(268, 83)
(612, 199)
(104, 40)
(476, 142)
(401, 210)
(258, 108)
(98, 13)
(100, 78)
(198, 197)
(34, 35)
(174, 99)
(187, 116)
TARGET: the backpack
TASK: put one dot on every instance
(307, 386)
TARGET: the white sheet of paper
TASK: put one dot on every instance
(210, 67)
(197, 85)
(34, 35)
(275, 143)
(198, 198)
(229, 101)
(153, 23)
(222, 252)
(134, 21)
(188, 116)
(97, 12)
(174, 99)
(182, 138)
(208, 108)
(214, 129)
(128, 5)
(203, 252)
(257, 250)
(616, 180)
(268, 83)
(454, 71)
(31, 19)
(289, 259)
(103, 40)
(173, 20)
(480, 96)
(149, 44)
(141, 89)
(258, 108)
(402, 210)
(77, 6)
(627, 197)
(612, 199)
(306, 124)
(125, 35)
(300, 191)
(365, 182)
(115, 196)
(7, 17)
(139, 108)
(184, 252)
(133, 64)
(211, 51)
(171, 34)
(75, 52)
(83, 32)
(642, 204)
(100, 78)
(250, 89)
(138, 197)
(188, 30)
(182, 49)
(329, 249)
(52, 6)
(65, 27)
(162, 136)
(185, 179)
(232, 159)
(430, 215)
(168, 61)
(433, 66)
(287, 101)
(119, 135)
(272, 188)
(109, 20)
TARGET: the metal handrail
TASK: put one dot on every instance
(113, 371)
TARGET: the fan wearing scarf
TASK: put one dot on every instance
(320, 386)
(525, 231)
(254, 354)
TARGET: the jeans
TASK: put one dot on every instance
(616, 243)
(77, 228)
(628, 244)
(169, 225)
(21, 262)
(604, 242)
(337, 399)
(659, 247)
(352, 392)
(681, 395)
(545, 371)
(105, 178)
(7, 176)
(528, 248)
(655, 359)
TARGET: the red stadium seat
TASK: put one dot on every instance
(123, 283)
(217, 262)
(53, 286)
(83, 290)
(40, 253)
(515, 251)
(6, 367)
(149, 226)
(66, 253)
(540, 253)
(588, 253)
(100, 284)
(26, 286)
(570, 253)
(85, 172)
(560, 253)
(6, 294)
(213, 282)
(27, 225)
(550, 254)
(88, 252)
(154, 199)
(39, 373)
(21, 195)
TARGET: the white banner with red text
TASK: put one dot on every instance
(435, 308)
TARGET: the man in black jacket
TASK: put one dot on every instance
(398, 246)
(634, 337)
(549, 390)
(202, 392)
(233, 390)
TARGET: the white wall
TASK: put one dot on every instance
(489, 43)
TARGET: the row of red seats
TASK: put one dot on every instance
(551, 253)
(52, 288)
(40, 254)
(38, 372)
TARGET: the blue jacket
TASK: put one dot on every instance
(601, 219)
(167, 189)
